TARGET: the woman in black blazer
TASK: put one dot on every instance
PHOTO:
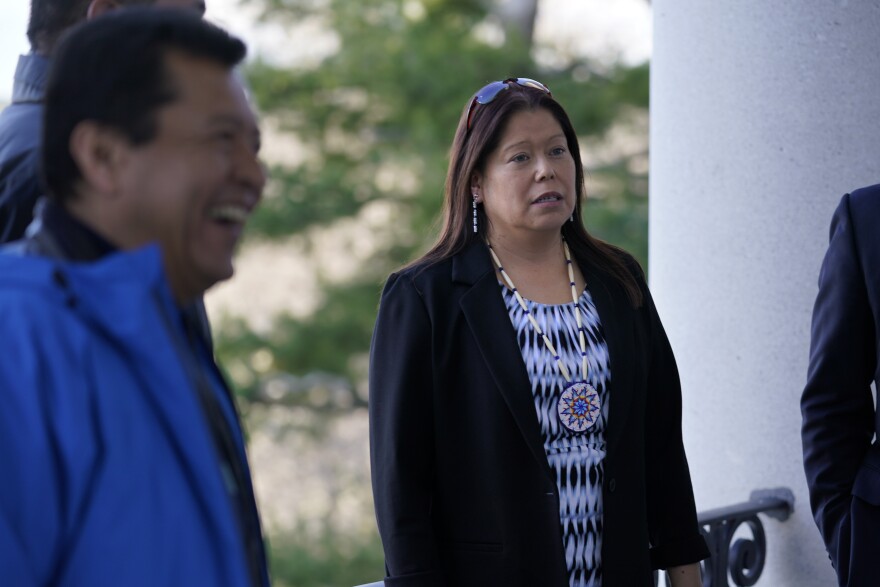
(525, 406)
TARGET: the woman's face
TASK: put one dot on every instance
(528, 183)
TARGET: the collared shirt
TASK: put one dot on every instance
(75, 240)
(20, 131)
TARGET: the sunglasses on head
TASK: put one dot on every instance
(490, 91)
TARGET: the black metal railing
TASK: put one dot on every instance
(734, 556)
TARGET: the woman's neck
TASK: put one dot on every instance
(530, 249)
(537, 267)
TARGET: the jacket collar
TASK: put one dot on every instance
(96, 287)
(57, 233)
(472, 263)
(31, 75)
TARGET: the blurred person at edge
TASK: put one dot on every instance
(840, 418)
(21, 121)
(122, 453)
(525, 410)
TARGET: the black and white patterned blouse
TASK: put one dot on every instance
(577, 459)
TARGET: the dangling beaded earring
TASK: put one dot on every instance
(474, 203)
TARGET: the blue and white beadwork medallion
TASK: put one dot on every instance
(579, 406)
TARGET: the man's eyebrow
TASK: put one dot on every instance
(225, 119)
(230, 120)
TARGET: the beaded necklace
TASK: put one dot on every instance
(579, 405)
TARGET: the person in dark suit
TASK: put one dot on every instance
(841, 461)
(525, 405)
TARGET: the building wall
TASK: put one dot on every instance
(762, 115)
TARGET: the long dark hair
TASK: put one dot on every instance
(468, 154)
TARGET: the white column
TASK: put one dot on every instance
(762, 115)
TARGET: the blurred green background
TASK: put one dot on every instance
(361, 140)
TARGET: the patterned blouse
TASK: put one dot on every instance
(576, 459)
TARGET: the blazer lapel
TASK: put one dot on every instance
(484, 311)
(616, 317)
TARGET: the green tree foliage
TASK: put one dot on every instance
(376, 119)
(329, 560)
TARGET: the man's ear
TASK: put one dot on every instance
(98, 7)
(99, 153)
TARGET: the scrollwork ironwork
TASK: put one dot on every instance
(734, 557)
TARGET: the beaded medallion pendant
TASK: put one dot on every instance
(579, 406)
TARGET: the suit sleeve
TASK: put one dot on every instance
(837, 405)
(672, 519)
(402, 435)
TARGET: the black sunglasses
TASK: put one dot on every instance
(490, 91)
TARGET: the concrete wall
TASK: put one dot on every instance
(762, 115)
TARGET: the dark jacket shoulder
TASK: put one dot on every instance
(866, 196)
(465, 267)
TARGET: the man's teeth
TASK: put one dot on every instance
(229, 213)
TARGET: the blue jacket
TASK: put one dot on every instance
(20, 135)
(110, 476)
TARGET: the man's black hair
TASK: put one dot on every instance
(50, 18)
(111, 70)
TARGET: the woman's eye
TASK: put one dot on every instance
(557, 151)
(520, 158)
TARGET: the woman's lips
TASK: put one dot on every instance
(547, 197)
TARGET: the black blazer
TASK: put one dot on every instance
(463, 490)
(839, 419)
